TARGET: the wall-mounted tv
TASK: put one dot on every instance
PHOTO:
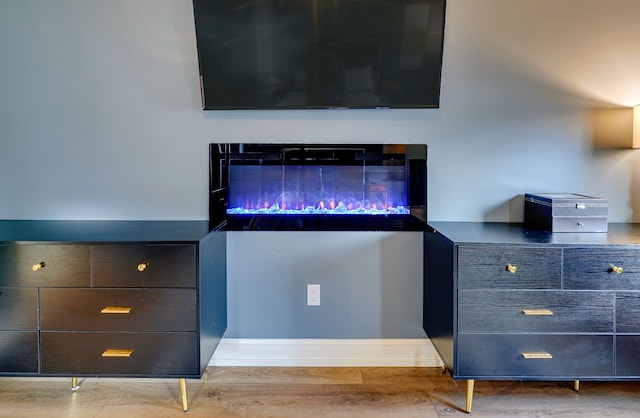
(302, 54)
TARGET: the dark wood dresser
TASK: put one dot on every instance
(111, 298)
(505, 303)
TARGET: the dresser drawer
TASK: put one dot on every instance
(18, 351)
(40, 265)
(627, 355)
(628, 312)
(144, 265)
(157, 354)
(535, 311)
(504, 355)
(18, 309)
(118, 309)
(509, 267)
(602, 268)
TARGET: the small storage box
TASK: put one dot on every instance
(565, 212)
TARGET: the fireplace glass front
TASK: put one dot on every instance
(319, 187)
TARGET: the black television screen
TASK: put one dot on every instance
(288, 54)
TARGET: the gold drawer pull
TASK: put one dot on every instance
(539, 355)
(117, 352)
(143, 266)
(38, 266)
(116, 310)
(511, 268)
(541, 312)
(615, 269)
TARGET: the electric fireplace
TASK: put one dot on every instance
(334, 187)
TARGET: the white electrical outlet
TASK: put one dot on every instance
(313, 295)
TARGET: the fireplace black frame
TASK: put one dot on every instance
(413, 157)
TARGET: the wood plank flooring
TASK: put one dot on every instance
(314, 392)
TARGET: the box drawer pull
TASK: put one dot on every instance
(539, 312)
(117, 352)
(536, 355)
(116, 310)
(615, 269)
(38, 266)
(143, 266)
(511, 268)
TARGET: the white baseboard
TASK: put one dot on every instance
(326, 353)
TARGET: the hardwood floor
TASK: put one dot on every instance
(314, 392)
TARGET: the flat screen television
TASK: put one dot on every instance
(301, 54)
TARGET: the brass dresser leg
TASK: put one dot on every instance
(470, 384)
(576, 385)
(74, 384)
(183, 394)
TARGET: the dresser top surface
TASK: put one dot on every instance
(12, 231)
(515, 233)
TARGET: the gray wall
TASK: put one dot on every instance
(370, 284)
(100, 119)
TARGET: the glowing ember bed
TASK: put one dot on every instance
(319, 186)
